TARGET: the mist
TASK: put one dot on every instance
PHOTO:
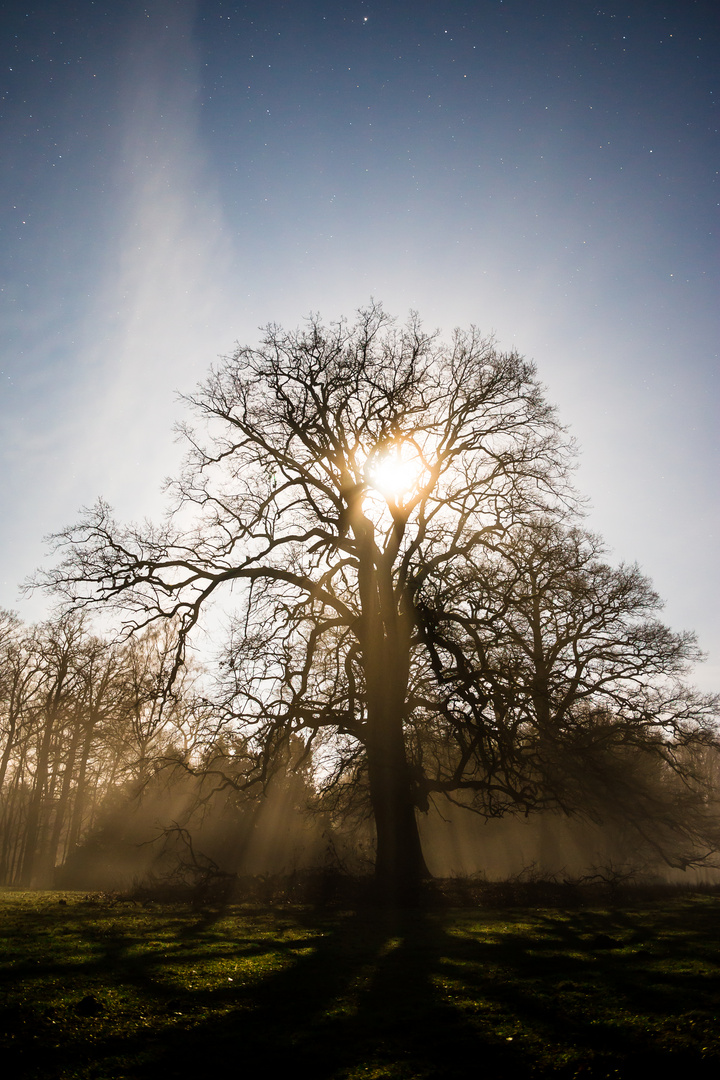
(162, 840)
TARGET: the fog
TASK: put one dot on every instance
(144, 842)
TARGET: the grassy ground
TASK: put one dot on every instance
(90, 989)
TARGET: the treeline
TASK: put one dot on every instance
(83, 720)
(106, 776)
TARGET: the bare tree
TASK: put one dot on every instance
(351, 485)
(563, 690)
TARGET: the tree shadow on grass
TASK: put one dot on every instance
(366, 996)
(401, 996)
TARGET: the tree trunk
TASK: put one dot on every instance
(63, 802)
(400, 867)
(37, 809)
(76, 819)
(385, 634)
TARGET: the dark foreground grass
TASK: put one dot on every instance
(90, 989)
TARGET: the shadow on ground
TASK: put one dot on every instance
(444, 995)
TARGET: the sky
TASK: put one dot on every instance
(176, 175)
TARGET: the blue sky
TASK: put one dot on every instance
(176, 175)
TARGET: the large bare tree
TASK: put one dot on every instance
(563, 691)
(352, 486)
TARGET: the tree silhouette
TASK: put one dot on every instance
(371, 498)
(577, 692)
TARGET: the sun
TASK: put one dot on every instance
(395, 472)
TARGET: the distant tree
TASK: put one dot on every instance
(14, 679)
(371, 497)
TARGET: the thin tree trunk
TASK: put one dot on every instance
(33, 825)
(79, 803)
(37, 810)
(61, 810)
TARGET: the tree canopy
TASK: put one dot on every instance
(414, 595)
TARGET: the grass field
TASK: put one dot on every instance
(93, 989)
